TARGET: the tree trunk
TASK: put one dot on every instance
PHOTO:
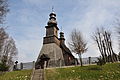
(107, 45)
(80, 57)
(104, 51)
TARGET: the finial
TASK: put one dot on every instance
(61, 29)
(52, 8)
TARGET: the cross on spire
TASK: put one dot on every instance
(61, 29)
(52, 8)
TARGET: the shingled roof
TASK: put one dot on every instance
(64, 47)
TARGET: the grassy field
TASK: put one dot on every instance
(16, 75)
(93, 72)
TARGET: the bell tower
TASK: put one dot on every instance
(51, 30)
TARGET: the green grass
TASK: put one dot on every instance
(16, 75)
(92, 72)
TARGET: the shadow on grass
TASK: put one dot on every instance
(95, 68)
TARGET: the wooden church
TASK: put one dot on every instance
(54, 52)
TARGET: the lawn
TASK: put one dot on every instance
(92, 72)
(16, 75)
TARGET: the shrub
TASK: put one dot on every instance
(100, 61)
(4, 67)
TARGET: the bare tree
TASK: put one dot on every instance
(118, 30)
(3, 36)
(8, 50)
(119, 36)
(77, 44)
(104, 42)
(3, 10)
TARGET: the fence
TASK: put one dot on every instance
(59, 63)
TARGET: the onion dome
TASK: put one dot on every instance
(62, 36)
(52, 19)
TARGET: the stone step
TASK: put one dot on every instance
(38, 74)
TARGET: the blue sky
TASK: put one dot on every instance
(27, 20)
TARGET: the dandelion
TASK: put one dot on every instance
(117, 72)
(101, 76)
(105, 77)
(73, 70)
